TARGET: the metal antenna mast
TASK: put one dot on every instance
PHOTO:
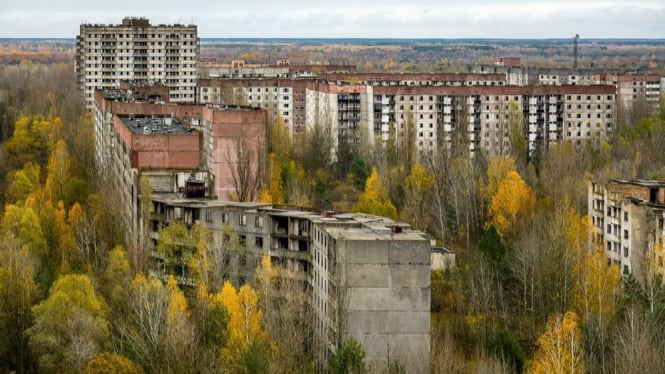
(577, 36)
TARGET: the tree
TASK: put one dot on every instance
(492, 246)
(497, 170)
(273, 192)
(595, 297)
(635, 345)
(418, 188)
(23, 183)
(90, 231)
(70, 325)
(245, 324)
(145, 196)
(559, 348)
(144, 330)
(504, 345)
(158, 332)
(596, 287)
(180, 341)
(227, 258)
(562, 175)
(114, 285)
(111, 363)
(18, 292)
(203, 265)
(318, 148)
(247, 175)
(29, 141)
(210, 321)
(279, 139)
(375, 198)
(297, 185)
(58, 172)
(285, 309)
(359, 171)
(512, 201)
(176, 245)
(349, 358)
(518, 135)
(24, 225)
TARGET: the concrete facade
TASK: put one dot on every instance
(371, 106)
(137, 50)
(177, 146)
(365, 276)
(628, 222)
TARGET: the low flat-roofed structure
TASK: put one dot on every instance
(442, 259)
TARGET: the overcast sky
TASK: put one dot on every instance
(348, 18)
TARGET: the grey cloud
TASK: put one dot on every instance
(346, 18)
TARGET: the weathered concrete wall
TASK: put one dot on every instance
(388, 301)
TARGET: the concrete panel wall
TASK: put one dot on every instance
(368, 252)
(399, 299)
(409, 275)
(409, 252)
(388, 299)
(368, 275)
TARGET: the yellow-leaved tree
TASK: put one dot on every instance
(513, 200)
(245, 326)
(70, 325)
(23, 182)
(111, 363)
(273, 191)
(158, 330)
(560, 347)
(58, 172)
(375, 199)
(497, 170)
(596, 288)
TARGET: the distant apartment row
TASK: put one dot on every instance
(470, 103)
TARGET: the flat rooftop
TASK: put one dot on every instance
(373, 233)
(178, 199)
(155, 125)
(641, 182)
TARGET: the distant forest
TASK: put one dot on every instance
(408, 55)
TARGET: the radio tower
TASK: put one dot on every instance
(577, 36)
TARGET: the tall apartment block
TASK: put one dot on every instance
(628, 222)
(137, 50)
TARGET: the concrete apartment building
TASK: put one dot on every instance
(364, 276)
(628, 222)
(634, 87)
(177, 146)
(137, 50)
(630, 87)
(370, 107)
(281, 69)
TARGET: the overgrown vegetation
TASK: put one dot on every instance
(73, 299)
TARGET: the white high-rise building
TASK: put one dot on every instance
(137, 50)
